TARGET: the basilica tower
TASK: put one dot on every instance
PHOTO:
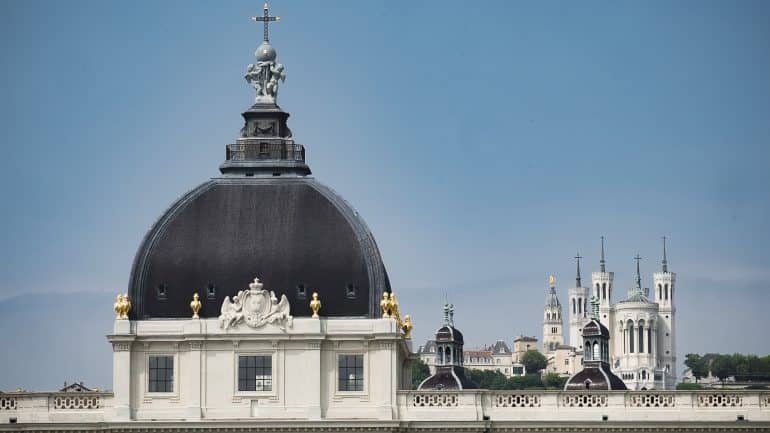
(578, 304)
(602, 284)
(552, 321)
(664, 295)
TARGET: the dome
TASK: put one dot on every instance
(449, 334)
(265, 52)
(295, 234)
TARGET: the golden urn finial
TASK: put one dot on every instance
(552, 281)
(195, 305)
(407, 326)
(122, 306)
(315, 305)
(385, 305)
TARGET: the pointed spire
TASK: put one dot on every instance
(601, 262)
(638, 275)
(446, 314)
(665, 262)
(578, 282)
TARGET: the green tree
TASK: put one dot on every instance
(488, 379)
(697, 365)
(554, 381)
(722, 367)
(534, 361)
(420, 372)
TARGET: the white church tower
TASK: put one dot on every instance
(665, 282)
(578, 304)
(552, 321)
(602, 283)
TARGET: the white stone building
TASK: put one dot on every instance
(643, 349)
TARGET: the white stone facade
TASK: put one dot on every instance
(651, 363)
(304, 369)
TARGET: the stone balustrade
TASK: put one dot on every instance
(717, 406)
(544, 406)
(54, 407)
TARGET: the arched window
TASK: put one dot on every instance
(631, 336)
(596, 354)
(585, 306)
(440, 355)
(665, 288)
(448, 355)
(604, 290)
(641, 336)
(574, 311)
(580, 305)
(660, 292)
(587, 352)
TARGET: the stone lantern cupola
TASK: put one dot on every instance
(596, 373)
(450, 373)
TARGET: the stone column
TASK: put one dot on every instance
(191, 372)
(121, 340)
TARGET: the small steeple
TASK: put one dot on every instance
(638, 275)
(578, 282)
(664, 262)
(602, 268)
(552, 283)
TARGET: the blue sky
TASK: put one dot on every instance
(484, 143)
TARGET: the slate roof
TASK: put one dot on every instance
(448, 378)
(292, 233)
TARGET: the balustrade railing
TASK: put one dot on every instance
(265, 151)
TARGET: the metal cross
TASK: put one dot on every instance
(266, 18)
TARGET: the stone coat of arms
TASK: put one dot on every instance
(256, 308)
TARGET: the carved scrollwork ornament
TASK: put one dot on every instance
(256, 308)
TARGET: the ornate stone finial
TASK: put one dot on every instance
(122, 306)
(407, 326)
(385, 305)
(452, 315)
(552, 281)
(195, 306)
(265, 74)
(315, 305)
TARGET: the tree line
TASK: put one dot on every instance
(533, 361)
(744, 368)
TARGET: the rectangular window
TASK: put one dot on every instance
(161, 374)
(350, 372)
(255, 373)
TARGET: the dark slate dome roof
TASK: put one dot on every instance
(449, 333)
(289, 232)
(595, 328)
(448, 378)
(594, 376)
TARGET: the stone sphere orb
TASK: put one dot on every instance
(265, 52)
